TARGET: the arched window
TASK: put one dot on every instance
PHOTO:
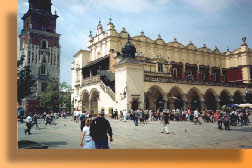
(44, 44)
(43, 70)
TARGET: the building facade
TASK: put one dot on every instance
(113, 75)
(39, 44)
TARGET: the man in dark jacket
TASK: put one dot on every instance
(99, 129)
(136, 115)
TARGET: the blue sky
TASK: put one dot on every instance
(219, 23)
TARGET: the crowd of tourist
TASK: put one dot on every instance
(227, 116)
(95, 131)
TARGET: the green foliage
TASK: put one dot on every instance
(56, 95)
(25, 80)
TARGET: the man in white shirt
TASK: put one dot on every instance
(196, 117)
(124, 115)
(77, 115)
(28, 124)
(150, 115)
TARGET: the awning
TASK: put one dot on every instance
(96, 61)
(245, 105)
(108, 74)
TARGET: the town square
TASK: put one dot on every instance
(183, 135)
(114, 86)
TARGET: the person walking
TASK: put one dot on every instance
(150, 115)
(28, 124)
(89, 143)
(136, 115)
(35, 119)
(48, 119)
(164, 121)
(226, 122)
(124, 115)
(116, 114)
(196, 117)
(218, 118)
(44, 116)
(64, 114)
(99, 129)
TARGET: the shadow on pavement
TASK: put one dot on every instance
(243, 129)
(55, 144)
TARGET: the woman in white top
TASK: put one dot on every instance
(89, 143)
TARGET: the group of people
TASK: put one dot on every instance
(32, 119)
(95, 131)
(227, 117)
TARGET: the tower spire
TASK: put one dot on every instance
(128, 37)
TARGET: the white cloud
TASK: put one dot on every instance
(126, 6)
(211, 6)
(77, 8)
(22, 6)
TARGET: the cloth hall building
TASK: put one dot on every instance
(119, 72)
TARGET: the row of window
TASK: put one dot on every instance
(189, 73)
(37, 57)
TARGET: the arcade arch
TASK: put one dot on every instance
(194, 98)
(225, 97)
(154, 98)
(175, 98)
(94, 98)
(238, 97)
(211, 99)
(85, 101)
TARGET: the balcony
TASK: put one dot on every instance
(164, 79)
(91, 80)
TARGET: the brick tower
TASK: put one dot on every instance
(39, 44)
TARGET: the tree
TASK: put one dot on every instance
(25, 80)
(65, 95)
(56, 95)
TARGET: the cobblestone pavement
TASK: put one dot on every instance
(66, 134)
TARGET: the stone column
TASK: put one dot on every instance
(89, 107)
(198, 72)
(218, 102)
(172, 104)
(210, 73)
(231, 99)
(183, 71)
(202, 104)
(165, 98)
(218, 105)
(221, 75)
(185, 105)
(165, 104)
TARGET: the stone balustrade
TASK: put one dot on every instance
(164, 79)
(97, 79)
